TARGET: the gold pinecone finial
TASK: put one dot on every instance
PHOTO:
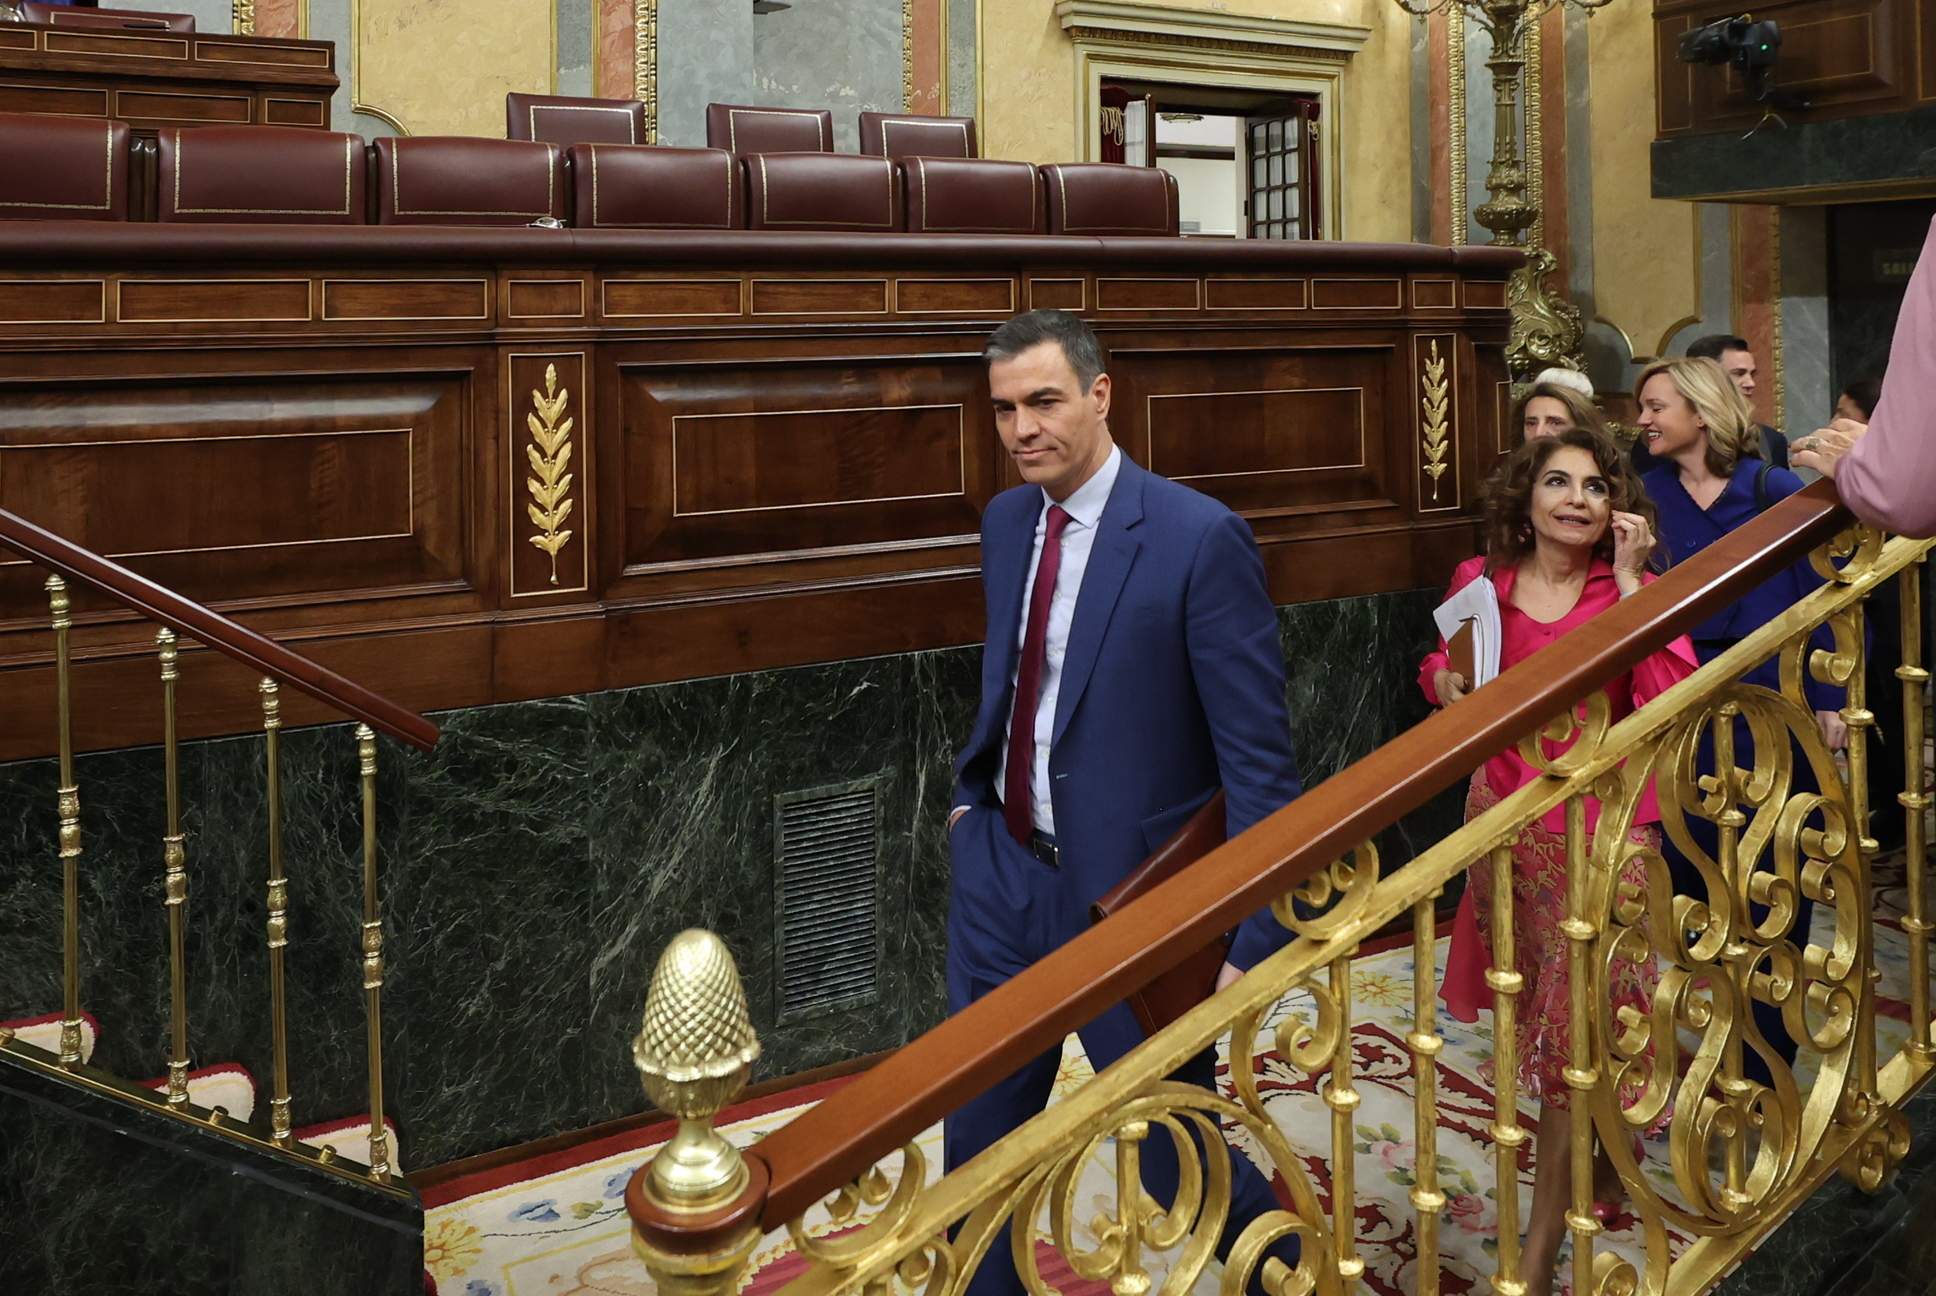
(694, 1050)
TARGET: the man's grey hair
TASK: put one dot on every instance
(1080, 346)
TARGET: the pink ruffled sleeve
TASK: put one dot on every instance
(1440, 658)
(1664, 669)
(1464, 988)
(1889, 478)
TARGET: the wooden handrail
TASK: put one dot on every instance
(256, 651)
(853, 1128)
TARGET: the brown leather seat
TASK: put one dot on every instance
(822, 191)
(459, 180)
(900, 135)
(62, 168)
(973, 196)
(745, 128)
(1109, 198)
(261, 174)
(119, 19)
(626, 186)
(567, 120)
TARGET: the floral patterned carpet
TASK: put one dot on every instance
(556, 1226)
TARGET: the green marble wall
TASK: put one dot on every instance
(535, 864)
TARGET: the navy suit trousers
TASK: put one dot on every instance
(1008, 910)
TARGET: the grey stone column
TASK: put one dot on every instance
(843, 55)
(705, 56)
(1807, 396)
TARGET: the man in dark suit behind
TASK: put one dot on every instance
(1131, 668)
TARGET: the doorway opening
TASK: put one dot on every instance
(1247, 162)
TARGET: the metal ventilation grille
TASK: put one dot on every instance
(828, 843)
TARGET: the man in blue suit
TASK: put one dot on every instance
(1131, 669)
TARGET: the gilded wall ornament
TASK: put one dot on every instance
(550, 456)
(1546, 328)
(645, 63)
(1434, 403)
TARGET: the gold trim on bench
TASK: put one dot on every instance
(396, 187)
(349, 176)
(100, 206)
(1149, 425)
(100, 284)
(481, 281)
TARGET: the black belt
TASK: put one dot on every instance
(1043, 847)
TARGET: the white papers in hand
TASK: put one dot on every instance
(1478, 603)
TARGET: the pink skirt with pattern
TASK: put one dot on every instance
(1542, 1028)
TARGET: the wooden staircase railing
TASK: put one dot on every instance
(256, 651)
(279, 667)
(853, 1129)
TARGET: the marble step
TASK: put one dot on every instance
(227, 1085)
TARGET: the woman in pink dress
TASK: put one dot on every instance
(1569, 532)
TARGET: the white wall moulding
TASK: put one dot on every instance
(1119, 41)
(1173, 24)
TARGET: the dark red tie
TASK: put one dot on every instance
(1028, 684)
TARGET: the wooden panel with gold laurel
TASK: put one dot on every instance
(548, 470)
(1435, 374)
(688, 467)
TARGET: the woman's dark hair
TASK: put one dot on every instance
(1864, 392)
(1509, 494)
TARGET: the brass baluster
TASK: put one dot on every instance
(278, 905)
(1581, 1076)
(1343, 1101)
(174, 860)
(1859, 719)
(68, 804)
(1134, 1204)
(1425, 1043)
(1915, 803)
(1508, 1136)
(372, 954)
(1728, 854)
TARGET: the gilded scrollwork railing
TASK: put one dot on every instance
(182, 626)
(1783, 827)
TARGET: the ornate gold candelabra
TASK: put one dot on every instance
(1546, 328)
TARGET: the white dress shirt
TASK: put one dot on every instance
(1078, 538)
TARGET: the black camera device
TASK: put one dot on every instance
(1749, 46)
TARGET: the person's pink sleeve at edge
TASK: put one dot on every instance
(1440, 658)
(1889, 477)
(1662, 670)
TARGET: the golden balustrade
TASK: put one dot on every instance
(1743, 1152)
(68, 806)
(277, 925)
(178, 620)
(174, 855)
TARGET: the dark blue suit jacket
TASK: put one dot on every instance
(1686, 529)
(1172, 683)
